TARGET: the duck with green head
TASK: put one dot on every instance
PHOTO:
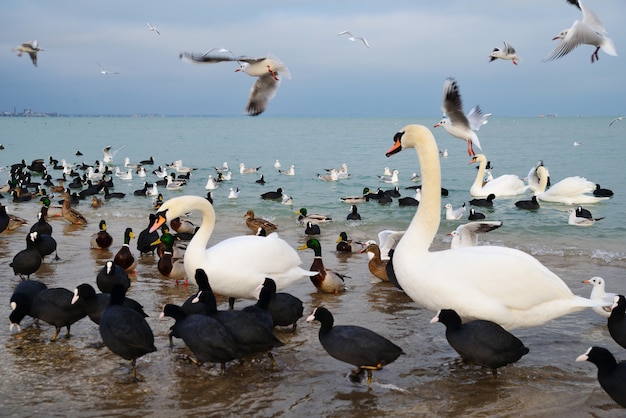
(326, 280)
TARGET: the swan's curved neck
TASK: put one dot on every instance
(200, 239)
(478, 182)
(423, 228)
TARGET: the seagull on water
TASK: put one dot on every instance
(578, 218)
(265, 69)
(353, 38)
(153, 28)
(506, 53)
(466, 235)
(590, 32)
(457, 123)
(31, 48)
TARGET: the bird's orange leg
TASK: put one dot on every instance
(470, 148)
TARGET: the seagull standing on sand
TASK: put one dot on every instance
(153, 28)
(265, 69)
(590, 32)
(507, 53)
(457, 123)
(353, 38)
(31, 48)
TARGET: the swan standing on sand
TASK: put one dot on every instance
(504, 185)
(570, 190)
(235, 266)
(520, 291)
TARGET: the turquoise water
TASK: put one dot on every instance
(545, 379)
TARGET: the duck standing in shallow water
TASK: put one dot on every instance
(70, 214)
(327, 281)
(255, 223)
(124, 257)
(376, 265)
(101, 240)
(355, 345)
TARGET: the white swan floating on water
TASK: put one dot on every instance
(235, 266)
(500, 284)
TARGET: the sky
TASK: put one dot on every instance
(414, 47)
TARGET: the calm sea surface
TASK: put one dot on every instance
(73, 377)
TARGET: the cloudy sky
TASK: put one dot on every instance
(415, 45)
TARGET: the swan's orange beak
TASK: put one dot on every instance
(160, 220)
(473, 160)
(397, 144)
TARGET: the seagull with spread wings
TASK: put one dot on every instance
(353, 38)
(265, 69)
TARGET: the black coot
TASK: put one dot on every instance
(611, 374)
(482, 342)
(125, 331)
(355, 345)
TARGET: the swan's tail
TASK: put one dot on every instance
(588, 303)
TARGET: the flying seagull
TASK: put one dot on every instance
(104, 71)
(353, 38)
(617, 119)
(457, 123)
(506, 53)
(31, 48)
(590, 32)
(265, 69)
(153, 28)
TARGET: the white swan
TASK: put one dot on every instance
(504, 185)
(570, 190)
(500, 284)
(262, 257)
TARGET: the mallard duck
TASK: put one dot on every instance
(345, 245)
(55, 211)
(376, 265)
(124, 257)
(170, 267)
(326, 280)
(185, 229)
(101, 240)
(255, 223)
(70, 214)
(315, 218)
(96, 202)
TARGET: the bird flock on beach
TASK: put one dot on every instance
(477, 328)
